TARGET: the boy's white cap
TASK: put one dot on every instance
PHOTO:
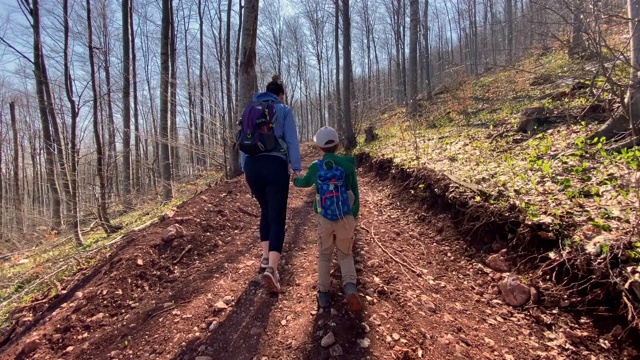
(326, 137)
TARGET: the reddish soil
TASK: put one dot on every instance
(426, 294)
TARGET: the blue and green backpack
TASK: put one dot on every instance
(332, 199)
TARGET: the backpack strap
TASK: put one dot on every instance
(329, 162)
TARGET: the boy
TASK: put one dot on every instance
(336, 207)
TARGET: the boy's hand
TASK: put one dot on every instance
(296, 174)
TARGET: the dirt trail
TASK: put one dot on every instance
(440, 304)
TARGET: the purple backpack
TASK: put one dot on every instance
(256, 135)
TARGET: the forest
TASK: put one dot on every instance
(83, 132)
(498, 139)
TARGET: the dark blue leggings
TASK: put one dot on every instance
(268, 178)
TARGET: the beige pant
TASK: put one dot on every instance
(338, 234)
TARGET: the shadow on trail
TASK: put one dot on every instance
(347, 330)
(238, 336)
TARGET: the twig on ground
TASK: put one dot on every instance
(499, 133)
(247, 212)
(162, 311)
(388, 253)
(182, 255)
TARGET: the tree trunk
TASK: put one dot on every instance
(577, 48)
(57, 140)
(237, 56)
(54, 192)
(403, 49)
(102, 197)
(12, 109)
(173, 84)
(136, 117)
(339, 123)
(17, 195)
(474, 38)
(126, 100)
(248, 78)
(74, 123)
(414, 22)
(190, 100)
(624, 123)
(165, 43)
(350, 140)
(427, 50)
(199, 125)
(112, 155)
(633, 96)
(509, 20)
(231, 127)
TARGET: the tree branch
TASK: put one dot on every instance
(16, 50)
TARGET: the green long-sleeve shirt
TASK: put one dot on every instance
(348, 163)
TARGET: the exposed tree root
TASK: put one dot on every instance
(618, 124)
(625, 145)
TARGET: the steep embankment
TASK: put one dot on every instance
(509, 155)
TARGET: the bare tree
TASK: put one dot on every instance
(136, 117)
(228, 90)
(17, 195)
(102, 196)
(73, 148)
(126, 104)
(624, 123)
(509, 20)
(56, 213)
(2, 176)
(577, 47)
(174, 152)
(165, 64)
(112, 163)
(336, 29)
(247, 72)
(350, 141)
(414, 22)
(200, 129)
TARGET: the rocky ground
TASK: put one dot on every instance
(188, 288)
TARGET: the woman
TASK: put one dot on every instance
(267, 175)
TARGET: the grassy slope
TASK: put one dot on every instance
(57, 258)
(554, 175)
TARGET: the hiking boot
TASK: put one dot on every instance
(353, 300)
(324, 299)
(264, 263)
(271, 280)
